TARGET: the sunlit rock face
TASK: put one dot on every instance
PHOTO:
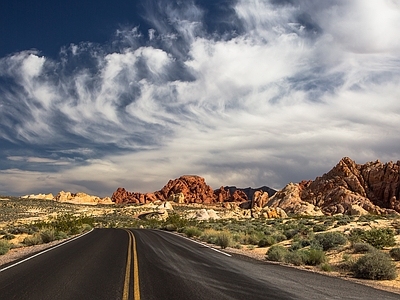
(374, 187)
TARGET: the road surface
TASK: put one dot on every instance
(152, 264)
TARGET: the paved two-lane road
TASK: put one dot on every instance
(151, 264)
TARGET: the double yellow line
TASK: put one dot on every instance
(131, 253)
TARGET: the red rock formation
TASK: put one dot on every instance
(193, 188)
(374, 186)
(122, 196)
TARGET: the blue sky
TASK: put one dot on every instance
(245, 93)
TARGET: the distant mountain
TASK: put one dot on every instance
(250, 191)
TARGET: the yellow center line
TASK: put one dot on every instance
(131, 251)
(125, 294)
(136, 291)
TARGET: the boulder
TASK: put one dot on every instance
(356, 210)
(260, 199)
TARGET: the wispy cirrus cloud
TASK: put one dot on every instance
(276, 91)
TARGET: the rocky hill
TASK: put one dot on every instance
(351, 188)
(68, 197)
(192, 189)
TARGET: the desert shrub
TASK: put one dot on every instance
(170, 227)
(343, 220)
(375, 265)
(8, 236)
(380, 237)
(347, 263)
(34, 239)
(377, 237)
(295, 246)
(267, 241)
(192, 231)
(224, 239)
(209, 235)
(48, 235)
(237, 246)
(279, 237)
(326, 267)
(175, 221)
(314, 257)
(290, 233)
(296, 258)
(303, 241)
(253, 238)
(4, 247)
(363, 248)
(395, 253)
(67, 223)
(330, 240)
(277, 253)
(86, 227)
(61, 235)
(19, 230)
(320, 227)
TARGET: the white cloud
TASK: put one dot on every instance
(281, 101)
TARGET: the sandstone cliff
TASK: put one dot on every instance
(192, 189)
(349, 187)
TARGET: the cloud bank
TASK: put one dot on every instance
(270, 92)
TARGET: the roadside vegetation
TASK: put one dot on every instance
(355, 246)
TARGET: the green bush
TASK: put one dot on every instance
(170, 227)
(326, 267)
(320, 227)
(4, 247)
(48, 235)
(192, 231)
(280, 237)
(8, 236)
(330, 240)
(290, 233)
(86, 227)
(177, 221)
(267, 241)
(314, 257)
(224, 239)
(363, 248)
(277, 253)
(377, 237)
(395, 253)
(296, 258)
(61, 235)
(34, 239)
(209, 236)
(375, 265)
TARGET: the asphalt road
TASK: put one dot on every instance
(151, 264)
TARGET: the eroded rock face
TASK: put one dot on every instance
(185, 189)
(193, 188)
(39, 196)
(81, 198)
(373, 187)
(121, 196)
(230, 195)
